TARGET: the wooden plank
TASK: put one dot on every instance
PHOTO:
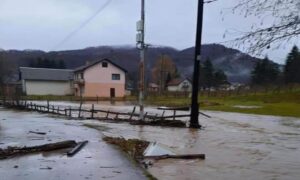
(36, 132)
(174, 108)
(204, 114)
(77, 148)
(182, 156)
(107, 114)
(162, 116)
(11, 151)
(177, 116)
(132, 113)
(92, 112)
(80, 106)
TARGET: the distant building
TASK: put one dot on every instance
(101, 78)
(44, 81)
(152, 87)
(180, 85)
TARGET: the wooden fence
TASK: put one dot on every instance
(91, 113)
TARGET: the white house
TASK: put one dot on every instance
(180, 85)
(44, 81)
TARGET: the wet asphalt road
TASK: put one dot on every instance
(97, 160)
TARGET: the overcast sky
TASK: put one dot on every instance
(43, 24)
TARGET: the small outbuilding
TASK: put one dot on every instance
(45, 81)
(180, 85)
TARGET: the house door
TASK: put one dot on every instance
(112, 92)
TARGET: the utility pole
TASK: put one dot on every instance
(194, 121)
(141, 46)
(162, 78)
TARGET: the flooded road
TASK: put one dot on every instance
(237, 146)
(96, 160)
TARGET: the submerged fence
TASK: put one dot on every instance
(92, 112)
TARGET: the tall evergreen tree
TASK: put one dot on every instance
(220, 78)
(265, 72)
(292, 66)
(208, 73)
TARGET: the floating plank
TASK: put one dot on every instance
(77, 148)
(12, 151)
(40, 133)
(183, 156)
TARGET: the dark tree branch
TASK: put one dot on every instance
(285, 26)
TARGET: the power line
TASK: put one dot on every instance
(82, 25)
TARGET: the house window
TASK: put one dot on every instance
(81, 75)
(104, 64)
(116, 77)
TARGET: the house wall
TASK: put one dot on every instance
(180, 87)
(172, 88)
(98, 81)
(47, 87)
(182, 84)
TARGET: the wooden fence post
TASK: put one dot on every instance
(132, 113)
(79, 113)
(70, 111)
(162, 116)
(107, 114)
(92, 112)
(48, 105)
(174, 115)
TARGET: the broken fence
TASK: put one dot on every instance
(91, 113)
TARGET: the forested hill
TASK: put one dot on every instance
(234, 63)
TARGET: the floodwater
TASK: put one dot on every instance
(97, 160)
(237, 146)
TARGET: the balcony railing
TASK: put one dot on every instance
(79, 81)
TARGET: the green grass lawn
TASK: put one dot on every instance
(281, 104)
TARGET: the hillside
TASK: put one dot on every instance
(236, 65)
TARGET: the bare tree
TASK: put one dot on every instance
(280, 23)
(6, 72)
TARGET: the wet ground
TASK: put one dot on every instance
(237, 146)
(97, 160)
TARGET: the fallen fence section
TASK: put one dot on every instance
(103, 115)
(14, 151)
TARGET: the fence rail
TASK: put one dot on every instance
(91, 113)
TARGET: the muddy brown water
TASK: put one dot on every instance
(237, 146)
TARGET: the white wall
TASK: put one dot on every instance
(180, 87)
(48, 87)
